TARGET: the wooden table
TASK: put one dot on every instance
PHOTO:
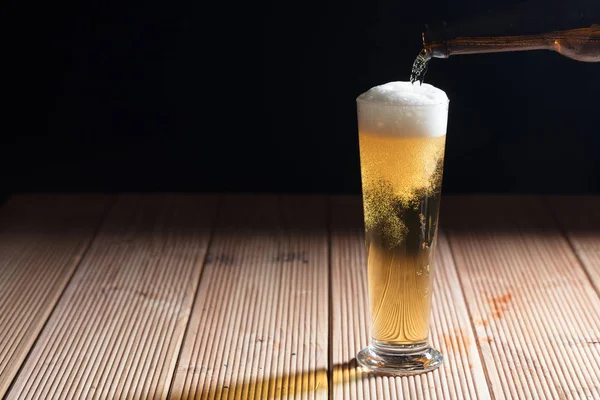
(174, 296)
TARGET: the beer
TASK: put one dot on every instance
(401, 197)
(402, 134)
(420, 65)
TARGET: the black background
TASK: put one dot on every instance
(260, 97)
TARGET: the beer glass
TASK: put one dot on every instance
(402, 134)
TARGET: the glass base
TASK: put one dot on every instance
(399, 359)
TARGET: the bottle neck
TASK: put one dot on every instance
(497, 44)
(532, 25)
(581, 44)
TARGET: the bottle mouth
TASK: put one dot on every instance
(438, 50)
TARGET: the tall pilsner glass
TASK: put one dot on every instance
(402, 134)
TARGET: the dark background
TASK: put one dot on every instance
(260, 96)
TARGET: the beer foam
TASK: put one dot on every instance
(403, 109)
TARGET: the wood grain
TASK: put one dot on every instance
(117, 330)
(42, 239)
(259, 324)
(579, 217)
(151, 304)
(535, 311)
(461, 377)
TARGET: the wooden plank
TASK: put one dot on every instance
(42, 239)
(259, 325)
(118, 328)
(535, 311)
(579, 218)
(462, 375)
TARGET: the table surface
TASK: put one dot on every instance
(181, 297)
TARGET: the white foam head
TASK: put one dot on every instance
(403, 109)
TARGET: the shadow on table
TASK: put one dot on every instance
(279, 387)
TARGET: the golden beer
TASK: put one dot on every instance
(401, 185)
(402, 135)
